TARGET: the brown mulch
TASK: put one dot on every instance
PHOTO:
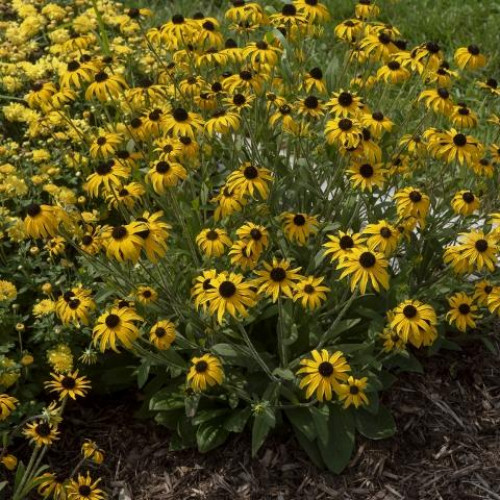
(447, 447)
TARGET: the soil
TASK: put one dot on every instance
(447, 447)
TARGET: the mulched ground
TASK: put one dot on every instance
(447, 447)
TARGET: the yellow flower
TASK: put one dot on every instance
(323, 374)
(205, 371)
(352, 393)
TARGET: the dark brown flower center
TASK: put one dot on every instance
(309, 289)
(43, 429)
(468, 197)
(366, 171)
(212, 235)
(345, 99)
(345, 124)
(160, 332)
(346, 242)
(278, 274)
(201, 366)
(119, 232)
(481, 245)
(100, 77)
(227, 289)
(180, 115)
(33, 209)
(112, 320)
(68, 383)
(460, 140)
(415, 196)
(311, 102)
(316, 73)
(474, 50)
(299, 220)
(367, 260)
(464, 309)
(250, 172)
(353, 389)
(325, 369)
(410, 311)
(162, 167)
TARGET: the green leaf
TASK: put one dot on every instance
(191, 405)
(379, 426)
(301, 419)
(310, 447)
(207, 415)
(263, 422)
(210, 436)
(320, 418)
(337, 451)
(166, 400)
(234, 355)
(237, 420)
(143, 374)
(294, 335)
(407, 363)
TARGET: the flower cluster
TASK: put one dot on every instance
(269, 206)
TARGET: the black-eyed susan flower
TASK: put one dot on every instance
(478, 249)
(240, 255)
(382, 236)
(41, 221)
(365, 266)
(245, 81)
(345, 104)
(366, 9)
(463, 311)
(470, 57)
(181, 122)
(439, 100)
(7, 406)
(393, 72)
(366, 176)
(126, 196)
(314, 81)
(228, 202)
(116, 325)
(353, 392)
(339, 246)
(239, 102)
(222, 121)
(493, 301)
(69, 384)
(164, 174)
(411, 202)
(463, 117)
(412, 316)
(52, 485)
(323, 374)
(277, 279)
(85, 488)
(109, 174)
(124, 243)
(349, 30)
(40, 94)
(146, 295)
(205, 371)
(41, 433)
(261, 52)
(213, 242)
(465, 202)
(105, 86)
(76, 74)
(482, 291)
(229, 293)
(310, 107)
(162, 334)
(202, 284)
(250, 178)
(343, 132)
(92, 452)
(105, 145)
(311, 292)
(376, 123)
(490, 85)
(378, 46)
(391, 340)
(298, 227)
(313, 10)
(255, 235)
(154, 235)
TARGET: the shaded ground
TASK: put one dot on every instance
(447, 447)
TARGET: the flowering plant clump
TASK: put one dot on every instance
(266, 210)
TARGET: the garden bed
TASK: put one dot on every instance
(447, 447)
